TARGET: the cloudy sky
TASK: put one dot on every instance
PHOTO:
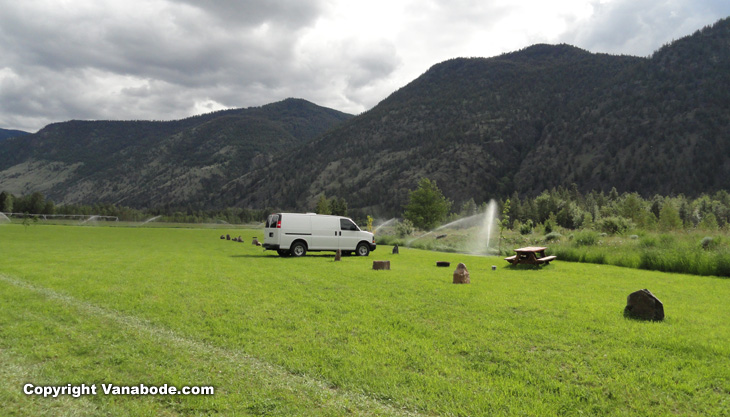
(169, 59)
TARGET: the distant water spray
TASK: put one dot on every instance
(4, 218)
(462, 223)
(151, 219)
(408, 243)
(482, 228)
(91, 219)
(384, 224)
(484, 241)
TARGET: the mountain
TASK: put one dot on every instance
(146, 163)
(11, 133)
(541, 117)
(526, 121)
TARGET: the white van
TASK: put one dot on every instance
(293, 234)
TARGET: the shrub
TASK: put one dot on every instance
(388, 240)
(650, 260)
(614, 225)
(553, 236)
(586, 238)
(648, 242)
(548, 226)
(526, 228)
(722, 264)
(595, 257)
(404, 228)
(666, 240)
(567, 254)
(708, 243)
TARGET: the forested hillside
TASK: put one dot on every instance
(148, 163)
(526, 121)
(11, 133)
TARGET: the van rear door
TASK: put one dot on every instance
(272, 231)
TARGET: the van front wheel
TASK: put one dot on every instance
(362, 249)
(298, 249)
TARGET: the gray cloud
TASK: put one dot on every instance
(112, 61)
(634, 27)
(290, 13)
(167, 59)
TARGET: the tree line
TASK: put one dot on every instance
(427, 208)
(615, 213)
(570, 209)
(37, 204)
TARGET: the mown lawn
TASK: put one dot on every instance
(312, 336)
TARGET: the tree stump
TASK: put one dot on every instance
(644, 305)
(338, 255)
(395, 249)
(381, 265)
(461, 275)
(228, 237)
(443, 263)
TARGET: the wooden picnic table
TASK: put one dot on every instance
(531, 255)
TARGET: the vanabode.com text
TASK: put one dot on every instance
(111, 389)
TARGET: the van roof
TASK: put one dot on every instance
(314, 214)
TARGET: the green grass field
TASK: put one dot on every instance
(310, 336)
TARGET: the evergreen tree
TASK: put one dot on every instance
(503, 223)
(685, 213)
(656, 206)
(338, 206)
(469, 208)
(613, 195)
(6, 202)
(36, 203)
(323, 205)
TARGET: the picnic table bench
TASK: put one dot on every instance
(531, 255)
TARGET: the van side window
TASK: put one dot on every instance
(347, 224)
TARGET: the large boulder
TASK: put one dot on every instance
(644, 305)
(461, 275)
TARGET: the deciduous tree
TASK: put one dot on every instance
(427, 205)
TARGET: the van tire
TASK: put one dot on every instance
(362, 249)
(283, 253)
(298, 249)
